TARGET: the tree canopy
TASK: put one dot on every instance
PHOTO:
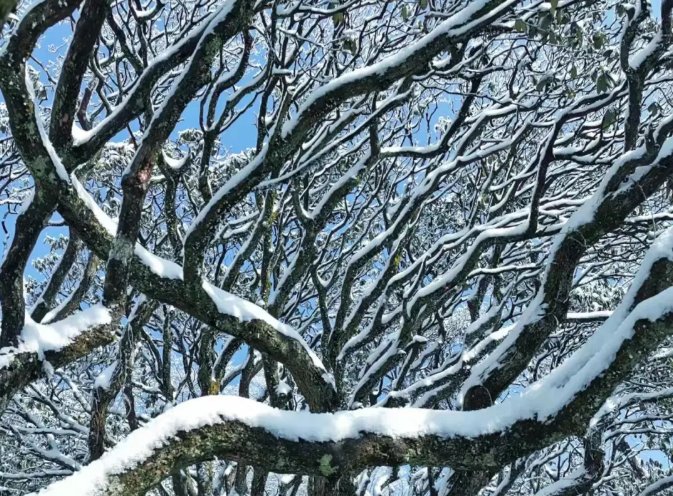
(345, 247)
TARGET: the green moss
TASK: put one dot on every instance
(326, 468)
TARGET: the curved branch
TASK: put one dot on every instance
(333, 444)
(604, 212)
(413, 59)
(44, 347)
(161, 280)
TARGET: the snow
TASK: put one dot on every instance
(283, 388)
(44, 136)
(103, 219)
(637, 59)
(288, 425)
(227, 303)
(27, 200)
(79, 135)
(234, 182)
(599, 350)
(457, 24)
(666, 150)
(421, 193)
(585, 213)
(174, 163)
(582, 216)
(39, 338)
(564, 484)
(446, 278)
(143, 13)
(344, 179)
(428, 382)
(103, 379)
(588, 316)
(245, 311)
(478, 348)
(159, 266)
(658, 486)
(53, 313)
(540, 401)
(149, 72)
(614, 404)
(478, 324)
(376, 361)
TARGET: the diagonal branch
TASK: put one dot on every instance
(333, 444)
(414, 59)
(601, 214)
(162, 280)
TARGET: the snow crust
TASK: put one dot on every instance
(39, 338)
(293, 426)
(540, 401)
(227, 303)
(245, 311)
(457, 24)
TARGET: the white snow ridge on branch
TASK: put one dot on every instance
(336, 247)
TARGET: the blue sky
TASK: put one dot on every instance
(53, 45)
(240, 136)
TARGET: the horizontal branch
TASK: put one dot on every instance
(658, 486)
(557, 406)
(44, 347)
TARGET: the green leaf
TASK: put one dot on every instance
(405, 12)
(520, 26)
(338, 18)
(578, 39)
(423, 4)
(326, 468)
(609, 118)
(573, 72)
(598, 40)
(602, 83)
